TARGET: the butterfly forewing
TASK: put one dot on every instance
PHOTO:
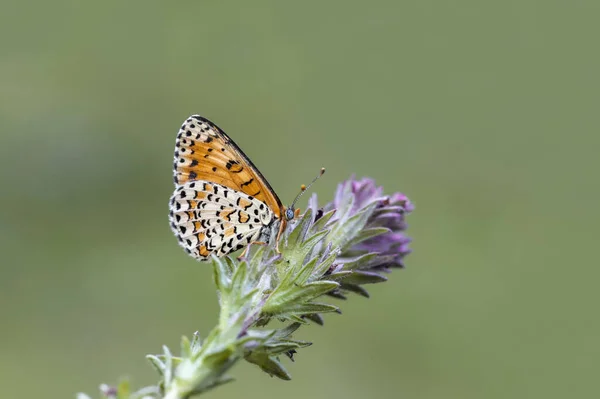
(204, 152)
(221, 201)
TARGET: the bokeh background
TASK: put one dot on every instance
(485, 113)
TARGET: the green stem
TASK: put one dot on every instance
(223, 347)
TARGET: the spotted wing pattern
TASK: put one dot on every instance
(208, 217)
(221, 201)
(204, 152)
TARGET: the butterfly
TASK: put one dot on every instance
(221, 203)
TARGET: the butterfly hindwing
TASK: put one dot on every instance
(210, 218)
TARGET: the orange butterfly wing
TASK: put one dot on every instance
(204, 152)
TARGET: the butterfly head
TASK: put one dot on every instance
(291, 212)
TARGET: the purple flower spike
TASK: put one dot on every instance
(364, 192)
(389, 213)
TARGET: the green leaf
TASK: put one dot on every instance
(294, 318)
(339, 275)
(286, 331)
(257, 254)
(337, 294)
(306, 271)
(246, 299)
(315, 318)
(309, 243)
(158, 364)
(360, 261)
(325, 264)
(344, 231)
(217, 358)
(365, 234)
(322, 222)
(308, 308)
(185, 347)
(168, 370)
(239, 278)
(230, 266)
(281, 347)
(196, 344)
(299, 231)
(345, 206)
(295, 258)
(316, 289)
(359, 277)
(295, 295)
(269, 364)
(357, 289)
(220, 274)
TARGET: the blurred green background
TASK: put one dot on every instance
(485, 113)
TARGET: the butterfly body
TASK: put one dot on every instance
(221, 202)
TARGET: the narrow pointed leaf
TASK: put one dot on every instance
(357, 289)
(309, 243)
(286, 331)
(316, 289)
(168, 370)
(196, 344)
(158, 364)
(239, 278)
(256, 253)
(305, 272)
(269, 365)
(278, 304)
(315, 318)
(295, 319)
(230, 265)
(322, 222)
(359, 261)
(308, 308)
(339, 276)
(364, 277)
(281, 347)
(344, 231)
(324, 266)
(365, 234)
(337, 294)
(220, 274)
(300, 229)
(185, 347)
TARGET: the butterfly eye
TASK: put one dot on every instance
(289, 214)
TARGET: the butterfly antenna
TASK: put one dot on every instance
(303, 188)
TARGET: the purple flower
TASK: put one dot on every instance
(374, 245)
(364, 192)
(390, 212)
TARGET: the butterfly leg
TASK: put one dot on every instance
(281, 229)
(243, 254)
